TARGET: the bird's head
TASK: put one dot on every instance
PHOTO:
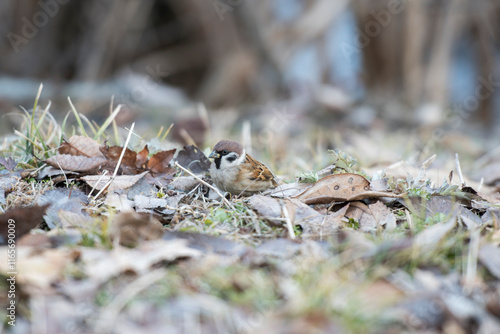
(227, 153)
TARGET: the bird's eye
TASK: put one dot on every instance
(225, 152)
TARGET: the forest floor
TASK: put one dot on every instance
(108, 240)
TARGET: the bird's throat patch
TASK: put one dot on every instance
(217, 162)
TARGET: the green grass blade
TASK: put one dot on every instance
(35, 105)
(89, 123)
(77, 116)
(108, 121)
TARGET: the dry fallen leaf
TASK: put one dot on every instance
(267, 207)
(20, 220)
(184, 183)
(9, 163)
(119, 182)
(82, 154)
(192, 158)
(142, 158)
(383, 215)
(338, 187)
(142, 203)
(161, 180)
(66, 199)
(81, 145)
(55, 174)
(361, 213)
(160, 162)
(130, 228)
(113, 153)
(320, 226)
(119, 201)
(313, 223)
(288, 189)
(76, 163)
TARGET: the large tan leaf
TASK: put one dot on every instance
(81, 145)
(119, 182)
(75, 163)
(339, 188)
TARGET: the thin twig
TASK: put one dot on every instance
(429, 161)
(246, 136)
(119, 161)
(205, 183)
(64, 174)
(168, 131)
(459, 170)
(481, 183)
(98, 181)
(289, 225)
(471, 266)
(409, 219)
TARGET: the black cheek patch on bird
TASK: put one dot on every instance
(231, 158)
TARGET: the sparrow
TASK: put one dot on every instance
(238, 173)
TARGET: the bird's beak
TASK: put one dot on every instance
(214, 155)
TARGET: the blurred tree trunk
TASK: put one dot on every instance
(486, 29)
(381, 36)
(407, 49)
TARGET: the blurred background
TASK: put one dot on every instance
(319, 72)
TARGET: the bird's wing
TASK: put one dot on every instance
(260, 171)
